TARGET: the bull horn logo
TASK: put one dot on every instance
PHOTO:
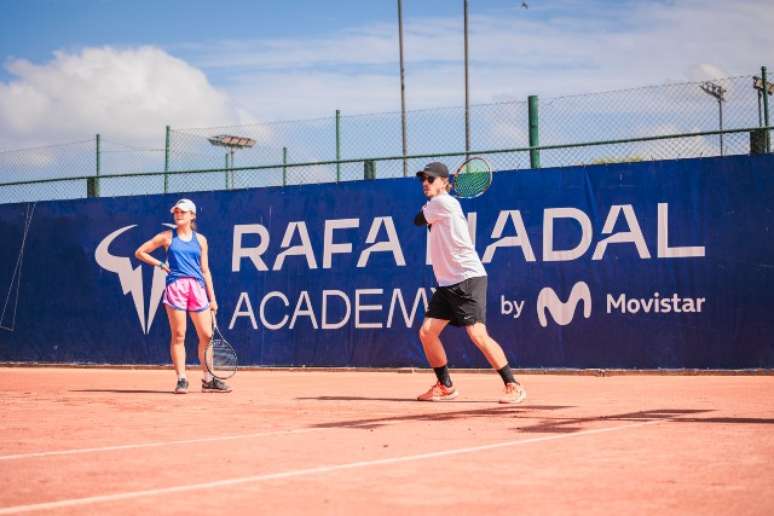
(131, 278)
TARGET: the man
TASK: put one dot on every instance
(460, 299)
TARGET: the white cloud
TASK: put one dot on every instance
(127, 95)
(554, 49)
(565, 48)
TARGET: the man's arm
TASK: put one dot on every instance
(420, 220)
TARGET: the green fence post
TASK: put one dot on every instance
(369, 169)
(766, 108)
(284, 166)
(338, 145)
(534, 131)
(166, 160)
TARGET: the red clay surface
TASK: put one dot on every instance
(92, 441)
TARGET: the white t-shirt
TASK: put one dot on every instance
(451, 249)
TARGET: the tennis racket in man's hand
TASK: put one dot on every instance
(472, 178)
(220, 357)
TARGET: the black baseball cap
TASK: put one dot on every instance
(434, 169)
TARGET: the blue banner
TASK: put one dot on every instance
(644, 265)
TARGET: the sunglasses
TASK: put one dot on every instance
(429, 179)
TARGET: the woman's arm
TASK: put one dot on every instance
(143, 252)
(206, 272)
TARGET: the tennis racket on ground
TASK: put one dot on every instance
(472, 178)
(220, 357)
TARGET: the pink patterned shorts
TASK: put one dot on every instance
(186, 294)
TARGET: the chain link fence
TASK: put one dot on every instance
(78, 169)
(45, 162)
(672, 121)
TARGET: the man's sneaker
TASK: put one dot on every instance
(215, 385)
(514, 393)
(182, 386)
(439, 392)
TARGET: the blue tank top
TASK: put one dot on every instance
(184, 258)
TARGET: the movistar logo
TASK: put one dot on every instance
(131, 279)
(563, 311)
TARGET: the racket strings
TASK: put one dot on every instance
(473, 178)
(472, 183)
(221, 356)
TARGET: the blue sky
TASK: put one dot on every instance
(73, 68)
(32, 29)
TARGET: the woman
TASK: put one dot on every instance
(189, 290)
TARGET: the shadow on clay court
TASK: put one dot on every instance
(505, 411)
(364, 398)
(569, 425)
(576, 424)
(548, 424)
(123, 391)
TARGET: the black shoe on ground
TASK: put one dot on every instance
(215, 385)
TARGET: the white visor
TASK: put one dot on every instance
(184, 205)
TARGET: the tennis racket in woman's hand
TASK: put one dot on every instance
(220, 357)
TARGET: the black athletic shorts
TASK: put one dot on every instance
(462, 304)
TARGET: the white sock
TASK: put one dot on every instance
(181, 377)
(207, 377)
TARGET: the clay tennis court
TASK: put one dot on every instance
(107, 441)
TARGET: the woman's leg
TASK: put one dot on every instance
(177, 324)
(202, 322)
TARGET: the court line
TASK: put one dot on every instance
(308, 471)
(156, 444)
(153, 444)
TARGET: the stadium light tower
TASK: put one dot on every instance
(765, 88)
(758, 85)
(232, 143)
(717, 91)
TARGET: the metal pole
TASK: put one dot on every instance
(402, 89)
(760, 110)
(338, 145)
(96, 181)
(534, 132)
(760, 104)
(226, 171)
(232, 167)
(467, 99)
(766, 108)
(720, 124)
(166, 161)
(284, 166)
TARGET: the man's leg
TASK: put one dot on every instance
(489, 347)
(514, 392)
(429, 334)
